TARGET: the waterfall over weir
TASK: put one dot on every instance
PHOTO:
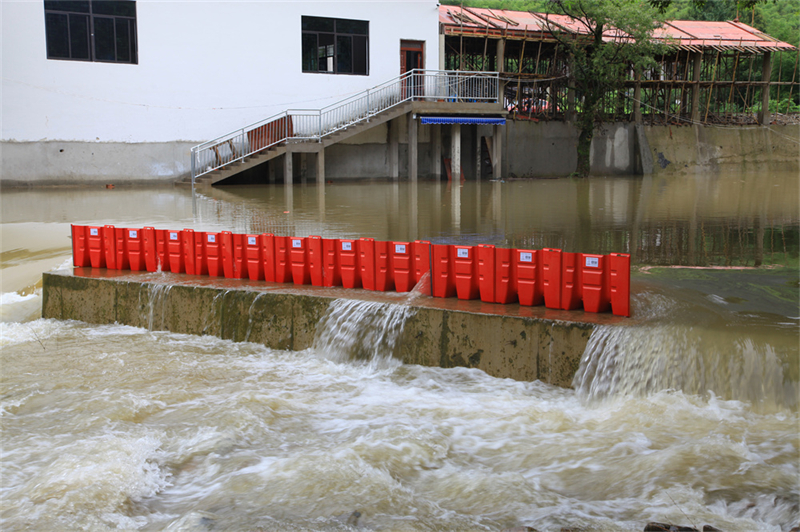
(361, 330)
(639, 361)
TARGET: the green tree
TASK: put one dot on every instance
(597, 67)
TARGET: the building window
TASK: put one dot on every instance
(335, 46)
(91, 30)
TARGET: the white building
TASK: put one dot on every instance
(97, 91)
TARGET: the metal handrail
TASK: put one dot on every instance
(315, 124)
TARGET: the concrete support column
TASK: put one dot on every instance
(288, 171)
(413, 147)
(501, 55)
(455, 153)
(321, 166)
(497, 149)
(696, 87)
(394, 147)
(441, 52)
(436, 162)
(766, 75)
(477, 153)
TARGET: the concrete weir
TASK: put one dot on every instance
(507, 341)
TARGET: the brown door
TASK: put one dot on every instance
(412, 57)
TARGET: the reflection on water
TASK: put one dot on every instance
(688, 416)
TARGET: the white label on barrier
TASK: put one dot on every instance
(131, 234)
(525, 256)
(212, 238)
(93, 231)
(399, 248)
(463, 253)
(347, 246)
(173, 236)
(592, 262)
(297, 244)
(251, 241)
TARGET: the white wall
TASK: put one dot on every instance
(205, 68)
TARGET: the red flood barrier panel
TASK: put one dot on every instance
(155, 249)
(422, 258)
(464, 270)
(528, 266)
(94, 244)
(443, 282)
(619, 283)
(347, 251)
(315, 268)
(571, 293)
(110, 246)
(283, 260)
(551, 277)
(301, 273)
(232, 250)
(188, 251)
(80, 250)
(486, 273)
(331, 270)
(384, 275)
(200, 261)
(212, 254)
(266, 243)
(253, 262)
(505, 289)
(134, 249)
(174, 242)
(402, 266)
(594, 283)
(366, 262)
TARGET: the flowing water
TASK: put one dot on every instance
(688, 415)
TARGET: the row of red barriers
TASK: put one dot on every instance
(557, 279)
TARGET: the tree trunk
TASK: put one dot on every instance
(584, 150)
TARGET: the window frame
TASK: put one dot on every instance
(92, 14)
(350, 47)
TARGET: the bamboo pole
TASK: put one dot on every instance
(733, 79)
(519, 71)
(749, 80)
(711, 87)
(791, 87)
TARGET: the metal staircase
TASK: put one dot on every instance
(312, 130)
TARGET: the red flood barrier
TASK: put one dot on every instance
(594, 283)
(266, 244)
(366, 262)
(422, 260)
(253, 262)
(232, 250)
(80, 250)
(486, 274)
(315, 269)
(505, 289)
(175, 251)
(331, 270)
(571, 293)
(212, 254)
(200, 262)
(528, 268)
(188, 250)
(155, 249)
(464, 270)
(443, 282)
(110, 245)
(301, 273)
(134, 249)
(402, 266)
(347, 251)
(283, 260)
(551, 277)
(95, 247)
(619, 283)
(384, 275)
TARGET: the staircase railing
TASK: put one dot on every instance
(315, 124)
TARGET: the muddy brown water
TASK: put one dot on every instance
(689, 416)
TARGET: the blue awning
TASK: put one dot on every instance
(462, 120)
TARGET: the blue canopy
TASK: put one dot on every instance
(462, 120)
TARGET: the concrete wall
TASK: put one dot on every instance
(507, 346)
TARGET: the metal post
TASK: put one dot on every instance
(455, 153)
(412, 147)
